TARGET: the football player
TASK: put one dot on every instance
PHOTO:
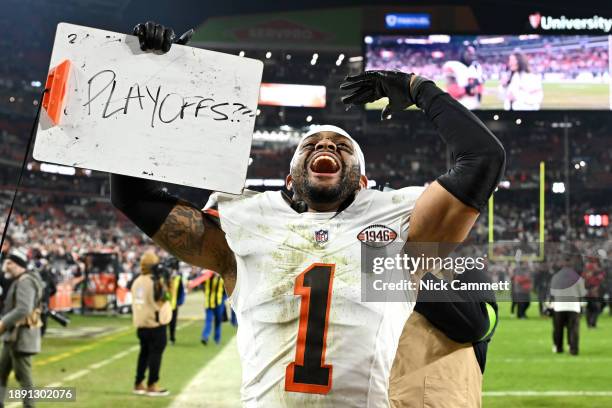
(293, 263)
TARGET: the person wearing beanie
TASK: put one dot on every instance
(20, 323)
(147, 298)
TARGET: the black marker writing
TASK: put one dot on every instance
(201, 106)
(110, 95)
(214, 108)
(129, 96)
(89, 98)
(161, 106)
(165, 105)
(154, 102)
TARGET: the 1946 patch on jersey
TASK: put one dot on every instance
(377, 235)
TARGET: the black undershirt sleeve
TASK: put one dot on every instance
(479, 157)
(143, 201)
(461, 315)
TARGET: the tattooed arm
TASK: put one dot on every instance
(176, 225)
(191, 236)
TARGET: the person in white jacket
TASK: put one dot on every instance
(522, 89)
(567, 292)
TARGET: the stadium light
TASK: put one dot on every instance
(594, 220)
(439, 38)
(57, 169)
(273, 182)
(268, 55)
(558, 187)
(241, 54)
(265, 182)
(492, 40)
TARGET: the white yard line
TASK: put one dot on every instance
(95, 366)
(216, 385)
(556, 360)
(528, 393)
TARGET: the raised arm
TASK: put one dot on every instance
(448, 208)
(176, 225)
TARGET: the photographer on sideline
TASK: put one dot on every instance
(20, 324)
(151, 313)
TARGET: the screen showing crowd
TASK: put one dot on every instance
(510, 72)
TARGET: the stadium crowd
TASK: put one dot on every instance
(579, 59)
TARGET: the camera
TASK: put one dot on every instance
(163, 269)
(57, 316)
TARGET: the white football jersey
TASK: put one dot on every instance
(305, 338)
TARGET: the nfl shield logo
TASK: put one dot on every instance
(321, 236)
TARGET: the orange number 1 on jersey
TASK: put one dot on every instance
(309, 373)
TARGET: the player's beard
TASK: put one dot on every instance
(305, 190)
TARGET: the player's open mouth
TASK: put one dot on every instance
(324, 164)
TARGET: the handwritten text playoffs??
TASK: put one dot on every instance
(167, 109)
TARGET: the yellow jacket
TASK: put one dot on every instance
(213, 292)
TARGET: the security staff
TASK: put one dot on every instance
(177, 297)
(213, 306)
(20, 324)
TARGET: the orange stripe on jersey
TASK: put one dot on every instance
(213, 212)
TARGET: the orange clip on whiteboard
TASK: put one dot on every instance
(53, 101)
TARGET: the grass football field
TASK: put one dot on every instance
(557, 96)
(97, 356)
(520, 360)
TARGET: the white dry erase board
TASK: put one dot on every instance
(185, 117)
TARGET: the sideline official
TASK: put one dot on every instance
(214, 291)
(20, 324)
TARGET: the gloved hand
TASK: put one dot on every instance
(370, 86)
(156, 37)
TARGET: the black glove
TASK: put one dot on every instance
(156, 37)
(370, 86)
